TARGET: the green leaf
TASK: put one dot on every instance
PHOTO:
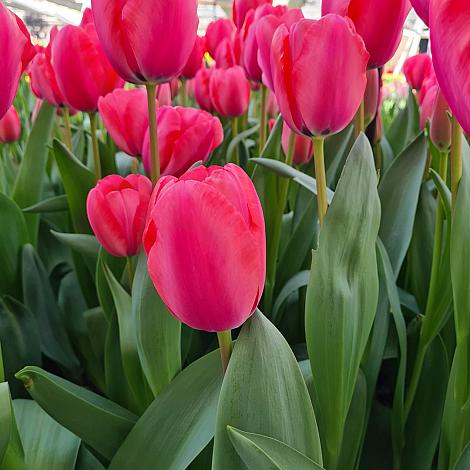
(263, 452)
(399, 192)
(342, 294)
(444, 192)
(12, 238)
(86, 245)
(53, 204)
(294, 284)
(101, 423)
(87, 461)
(29, 183)
(187, 407)
(337, 148)
(464, 459)
(158, 332)
(269, 397)
(272, 149)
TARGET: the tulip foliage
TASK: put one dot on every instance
(237, 251)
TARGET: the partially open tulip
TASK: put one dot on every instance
(422, 9)
(147, 41)
(219, 284)
(417, 69)
(371, 96)
(10, 127)
(230, 91)
(450, 44)
(379, 23)
(194, 62)
(441, 127)
(242, 7)
(216, 32)
(117, 209)
(332, 48)
(303, 147)
(202, 89)
(124, 114)
(82, 70)
(185, 136)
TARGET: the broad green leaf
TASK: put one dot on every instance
(342, 294)
(179, 423)
(294, 284)
(108, 158)
(269, 397)
(464, 459)
(86, 245)
(272, 149)
(87, 461)
(29, 183)
(158, 332)
(263, 452)
(53, 204)
(12, 238)
(399, 192)
(101, 423)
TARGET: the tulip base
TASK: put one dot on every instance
(226, 346)
(320, 176)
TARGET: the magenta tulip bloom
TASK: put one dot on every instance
(202, 89)
(225, 56)
(29, 50)
(82, 70)
(332, 48)
(230, 91)
(379, 23)
(206, 247)
(422, 9)
(195, 59)
(117, 209)
(185, 136)
(124, 114)
(450, 43)
(417, 69)
(441, 128)
(10, 127)
(303, 147)
(242, 7)
(147, 41)
(216, 32)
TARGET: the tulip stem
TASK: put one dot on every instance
(456, 159)
(226, 346)
(263, 119)
(320, 175)
(67, 128)
(130, 271)
(96, 148)
(236, 153)
(153, 131)
(359, 120)
(184, 93)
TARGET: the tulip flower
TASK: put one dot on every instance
(117, 209)
(422, 9)
(225, 56)
(242, 7)
(10, 126)
(427, 98)
(230, 91)
(216, 32)
(371, 96)
(303, 146)
(202, 89)
(272, 108)
(417, 69)
(441, 128)
(185, 136)
(194, 62)
(379, 24)
(190, 220)
(124, 114)
(29, 50)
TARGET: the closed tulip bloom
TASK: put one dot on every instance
(195, 59)
(206, 230)
(185, 136)
(10, 127)
(379, 24)
(450, 44)
(117, 209)
(82, 70)
(371, 96)
(202, 89)
(230, 91)
(216, 32)
(124, 114)
(303, 147)
(441, 127)
(427, 104)
(332, 48)
(417, 69)
(147, 41)
(225, 56)
(242, 7)
(422, 9)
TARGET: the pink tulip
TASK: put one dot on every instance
(29, 50)
(147, 40)
(82, 70)
(124, 114)
(303, 147)
(202, 90)
(417, 69)
(264, 34)
(422, 9)
(371, 96)
(450, 44)
(185, 136)
(272, 108)
(10, 126)
(206, 230)
(117, 209)
(216, 32)
(225, 56)
(242, 7)
(195, 59)
(379, 23)
(164, 95)
(230, 91)
(441, 128)
(331, 47)
(427, 98)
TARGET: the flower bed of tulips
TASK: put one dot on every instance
(226, 252)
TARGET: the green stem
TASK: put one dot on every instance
(226, 346)
(277, 228)
(67, 128)
(320, 175)
(184, 93)
(130, 271)
(456, 159)
(263, 119)
(153, 132)
(236, 153)
(359, 121)
(96, 148)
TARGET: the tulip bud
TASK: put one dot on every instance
(194, 62)
(202, 90)
(230, 91)
(242, 7)
(422, 9)
(117, 209)
(427, 104)
(441, 127)
(216, 32)
(206, 229)
(417, 69)
(332, 48)
(303, 147)
(10, 127)
(185, 136)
